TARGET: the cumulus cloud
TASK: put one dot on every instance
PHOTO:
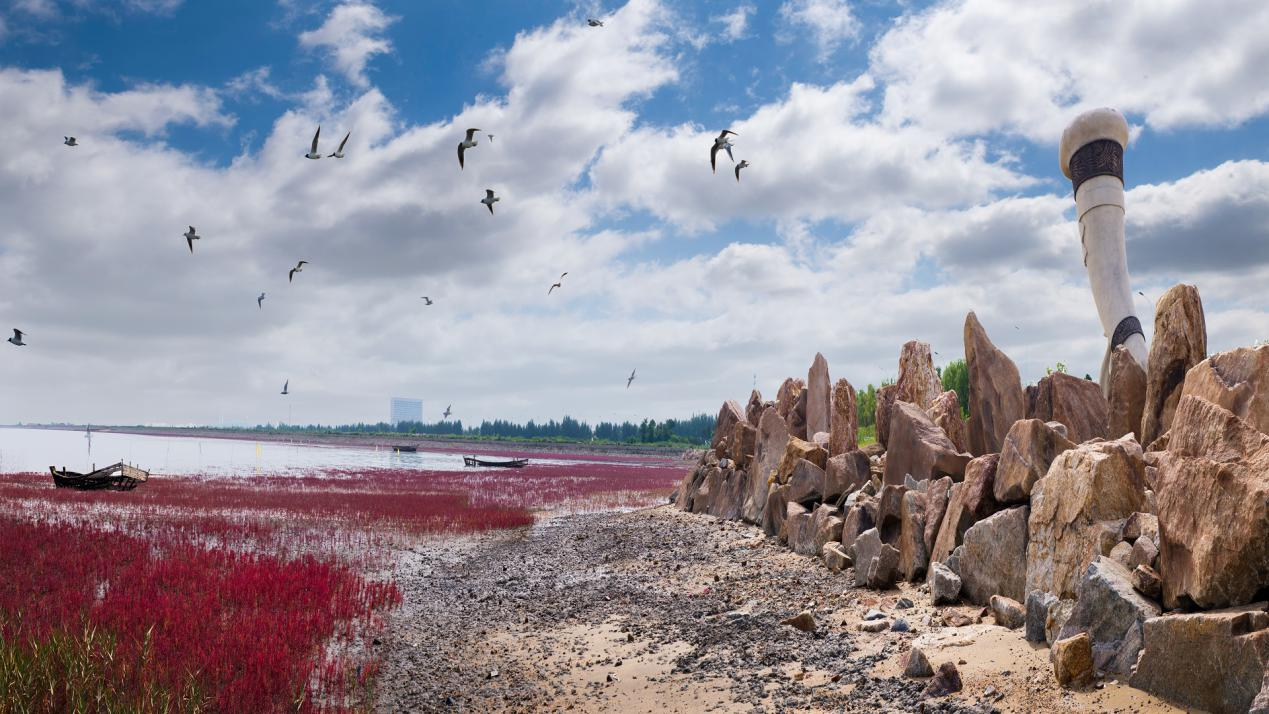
(735, 22)
(828, 22)
(352, 34)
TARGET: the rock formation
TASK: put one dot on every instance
(1180, 342)
(945, 411)
(918, 383)
(819, 397)
(773, 435)
(1126, 394)
(996, 399)
(919, 448)
(1029, 447)
(1075, 403)
(844, 428)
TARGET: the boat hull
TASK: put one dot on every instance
(506, 464)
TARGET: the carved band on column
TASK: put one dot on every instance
(1104, 157)
(1126, 328)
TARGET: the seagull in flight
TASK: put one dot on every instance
(490, 138)
(190, 237)
(427, 300)
(744, 163)
(286, 388)
(630, 378)
(17, 338)
(490, 199)
(70, 141)
(447, 412)
(299, 268)
(594, 23)
(260, 301)
(339, 153)
(312, 152)
(558, 284)
(465, 144)
(722, 142)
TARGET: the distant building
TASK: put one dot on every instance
(406, 410)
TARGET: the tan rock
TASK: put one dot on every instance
(993, 558)
(730, 491)
(819, 396)
(1074, 402)
(844, 431)
(806, 483)
(728, 417)
(845, 473)
(772, 438)
(918, 383)
(968, 502)
(836, 559)
(1086, 486)
(1213, 496)
(1179, 343)
(1237, 380)
(913, 556)
(1007, 612)
(1145, 580)
(886, 397)
(797, 417)
(919, 448)
(858, 519)
(826, 523)
(743, 443)
(1029, 447)
(787, 396)
(798, 533)
(1126, 399)
(755, 408)
(796, 449)
(996, 399)
(937, 496)
(775, 511)
(1073, 661)
(945, 411)
(803, 621)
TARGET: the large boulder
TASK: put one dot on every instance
(806, 483)
(772, 438)
(819, 397)
(993, 559)
(919, 448)
(1179, 343)
(1074, 402)
(1078, 510)
(1112, 613)
(945, 585)
(796, 450)
(1213, 499)
(744, 441)
(968, 502)
(1125, 394)
(913, 556)
(1073, 661)
(775, 510)
(755, 407)
(1237, 380)
(886, 397)
(937, 495)
(728, 417)
(797, 417)
(1215, 661)
(843, 435)
(1029, 448)
(945, 411)
(799, 533)
(859, 519)
(729, 493)
(686, 491)
(845, 473)
(918, 383)
(876, 563)
(996, 399)
(826, 526)
(787, 396)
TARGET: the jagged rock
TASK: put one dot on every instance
(1055, 620)
(954, 561)
(1141, 525)
(729, 494)
(1126, 394)
(728, 417)
(819, 398)
(917, 665)
(776, 510)
(1260, 705)
(876, 563)
(1028, 450)
(996, 399)
(687, 488)
(1008, 612)
(743, 443)
(968, 502)
(1214, 661)
(797, 417)
(1237, 380)
(1146, 581)
(886, 397)
(755, 407)
(890, 513)
(1112, 613)
(913, 557)
(858, 519)
(1179, 343)
(836, 559)
(799, 534)
(945, 411)
(826, 525)
(1144, 552)
(994, 561)
(844, 427)
(806, 484)
(946, 681)
(1086, 486)
(918, 383)
(845, 473)
(803, 621)
(937, 494)
(795, 450)
(919, 447)
(1073, 661)
(772, 438)
(945, 586)
(1038, 605)
(1076, 403)
(787, 396)
(1121, 553)
(705, 491)
(1213, 494)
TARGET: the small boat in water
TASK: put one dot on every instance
(117, 477)
(406, 449)
(504, 463)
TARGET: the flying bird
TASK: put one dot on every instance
(190, 237)
(312, 152)
(490, 199)
(299, 268)
(447, 412)
(722, 142)
(630, 378)
(260, 300)
(594, 23)
(70, 141)
(427, 300)
(286, 388)
(743, 164)
(339, 153)
(17, 338)
(490, 138)
(558, 284)
(465, 144)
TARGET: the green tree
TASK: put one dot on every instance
(955, 376)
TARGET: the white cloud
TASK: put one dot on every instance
(735, 22)
(829, 23)
(37, 8)
(254, 81)
(352, 34)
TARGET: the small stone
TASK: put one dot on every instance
(803, 621)
(992, 694)
(918, 665)
(946, 681)
(874, 614)
(1146, 581)
(956, 619)
(1008, 612)
(874, 626)
(903, 604)
(945, 586)
(1073, 660)
(899, 625)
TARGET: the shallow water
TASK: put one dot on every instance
(37, 449)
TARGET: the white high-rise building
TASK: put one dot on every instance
(405, 410)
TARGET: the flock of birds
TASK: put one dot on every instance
(721, 143)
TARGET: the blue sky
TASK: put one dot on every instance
(904, 171)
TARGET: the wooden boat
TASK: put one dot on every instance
(505, 463)
(117, 477)
(406, 449)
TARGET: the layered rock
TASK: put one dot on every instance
(918, 383)
(918, 447)
(996, 398)
(1112, 613)
(844, 427)
(728, 492)
(1078, 510)
(993, 559)
(787, 396)
(755, 407)
(728, 417)
(819, 397)
(1029, 448)
(1179, 343)
(886, 397)
(1126, 394)
(772, 437)
(1213, 499)
(796, 450)
(744, 441)
(945, 411)
(968, 502)
(1076, 403)
(845, 473)
(1237, 380)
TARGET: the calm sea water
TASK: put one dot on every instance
(37, 449)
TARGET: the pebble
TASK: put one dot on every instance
(874, 614)
(899, 625)
(903, 603)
